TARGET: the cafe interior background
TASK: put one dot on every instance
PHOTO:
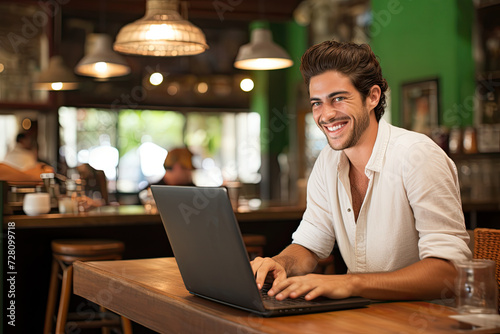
(441, 59)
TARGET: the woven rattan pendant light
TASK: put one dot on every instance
(161, 32)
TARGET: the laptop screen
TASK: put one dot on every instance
(207, 243)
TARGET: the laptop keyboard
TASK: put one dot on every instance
(286, 302)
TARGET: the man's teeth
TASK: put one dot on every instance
(335, 128)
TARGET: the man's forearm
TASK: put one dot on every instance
(430, 278)
(297, 260)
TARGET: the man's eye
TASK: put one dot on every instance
(339, 99)
(315, 104)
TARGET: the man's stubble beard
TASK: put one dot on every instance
(356, 133)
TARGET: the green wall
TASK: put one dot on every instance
(417, 40)
(275, 90)
(274, 98)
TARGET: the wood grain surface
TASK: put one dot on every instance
(151, 292)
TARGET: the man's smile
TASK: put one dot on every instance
(334, 128)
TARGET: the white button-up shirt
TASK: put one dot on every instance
(412, 208)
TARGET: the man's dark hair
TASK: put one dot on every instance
(358, 62)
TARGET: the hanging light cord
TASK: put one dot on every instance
(102, 16)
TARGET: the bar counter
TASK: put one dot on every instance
(137, 215)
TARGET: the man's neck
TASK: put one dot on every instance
(359, 154)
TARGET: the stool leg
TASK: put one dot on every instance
(104, 330)
(66, 290)
(126, 325)
(51, 300)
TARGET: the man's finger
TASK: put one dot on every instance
(261, 271)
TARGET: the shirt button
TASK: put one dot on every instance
(349, 210)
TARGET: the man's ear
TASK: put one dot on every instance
(373, 97)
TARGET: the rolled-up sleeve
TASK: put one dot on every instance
(434, 196)
(445, 246)
(311, 237)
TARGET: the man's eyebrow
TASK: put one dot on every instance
(329, 96)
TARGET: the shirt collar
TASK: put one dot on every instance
(377, 157)
(378, 152)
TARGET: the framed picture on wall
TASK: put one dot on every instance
(420, 105)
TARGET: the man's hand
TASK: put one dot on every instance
(429, 278)
(294, 260)
(263, 266)
(312, 286)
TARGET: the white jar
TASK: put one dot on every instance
(36, 204)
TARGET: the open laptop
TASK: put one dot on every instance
(212, 258)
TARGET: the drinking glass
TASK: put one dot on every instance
(476, 287)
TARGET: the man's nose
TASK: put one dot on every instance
(328, 114)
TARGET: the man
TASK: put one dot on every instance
(389, 197)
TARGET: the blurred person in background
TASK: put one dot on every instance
(23, 156)
(21, 164)
(178, 168)
(178, 172)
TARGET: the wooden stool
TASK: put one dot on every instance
(254, 244)
(64, 253)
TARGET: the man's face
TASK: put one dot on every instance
(338, 109)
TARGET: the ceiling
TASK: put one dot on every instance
(220, 10)
(224, 22)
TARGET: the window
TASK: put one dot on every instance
(131, 145)
(315, 142)
(8, 126)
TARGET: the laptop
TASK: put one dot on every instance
(214, 264)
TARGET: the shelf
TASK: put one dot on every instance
(488, 75)
(9, 106)
(485, 3)
(491, 205)
(465, 156)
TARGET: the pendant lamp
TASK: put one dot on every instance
(161, 32)
(262, 53)
(101, 61)
(56, 77)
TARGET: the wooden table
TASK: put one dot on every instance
(151, 292)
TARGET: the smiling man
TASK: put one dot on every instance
(388, 197)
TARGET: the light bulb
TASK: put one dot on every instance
(56, 85)
(156, 78)
(101, 67)
(246, 85)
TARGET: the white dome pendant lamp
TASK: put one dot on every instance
(262, 53)
(56, 77)
(101, 61)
